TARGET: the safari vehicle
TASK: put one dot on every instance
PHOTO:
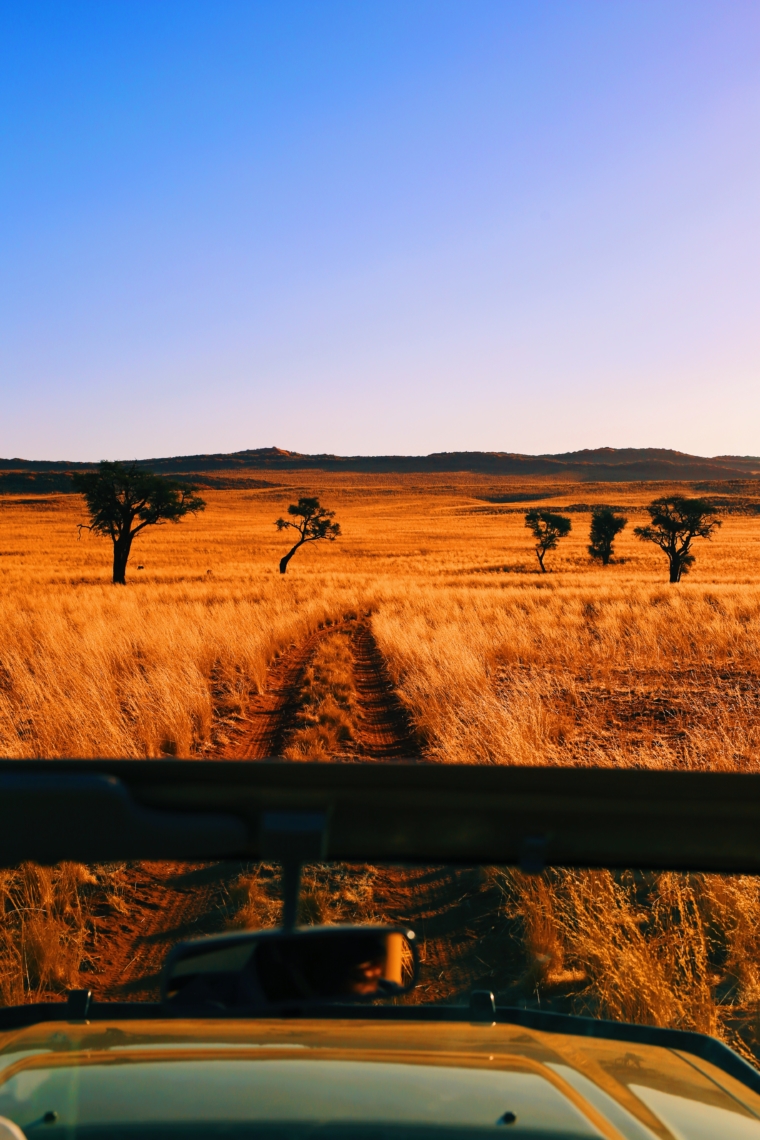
(302, 1032)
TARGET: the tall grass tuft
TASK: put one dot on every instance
(44, 929)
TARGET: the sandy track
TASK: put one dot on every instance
(384, 728)
(167, 903)
(261, 732)
(453, 910)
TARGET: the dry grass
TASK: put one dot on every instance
(43, 933)
(604, 674)
(664, 949)
(580, 665)
(87, 669)
(495, 663)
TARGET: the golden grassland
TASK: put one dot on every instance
(582, 665)
(495, 662)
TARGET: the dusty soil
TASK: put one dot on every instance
(665, 709)
(455, 912)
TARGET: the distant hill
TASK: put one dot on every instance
(602, 464)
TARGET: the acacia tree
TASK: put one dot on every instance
(547, 529)
(605, 527)
(122, 501)
(676, 522)
(313, 524)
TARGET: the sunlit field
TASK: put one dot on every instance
(582, 665)
(495, 663)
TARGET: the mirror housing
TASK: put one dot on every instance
(312, 965)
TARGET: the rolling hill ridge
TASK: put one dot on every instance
(603, 464)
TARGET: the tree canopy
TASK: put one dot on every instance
(122, 501)
(311, 521)
(676, 522)
(605, 527)
(547, 528)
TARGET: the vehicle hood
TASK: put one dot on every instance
(414, 1079)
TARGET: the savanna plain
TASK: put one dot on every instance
(478, 658)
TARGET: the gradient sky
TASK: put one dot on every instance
(378, 227)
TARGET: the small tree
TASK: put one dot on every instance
(676, 521)
(313, 525)
(547, 529)
(122, 501)
(605, 527)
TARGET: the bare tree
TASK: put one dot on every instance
(676, 522)
(313, 525)
(547, 529)
(122, 501)
(605, 527)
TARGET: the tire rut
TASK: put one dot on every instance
(456, 912)
(261, 733)
(384, 727)
(167, 903)
(452, 909)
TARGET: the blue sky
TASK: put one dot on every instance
(378, 227)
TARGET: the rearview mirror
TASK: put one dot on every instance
(275, 967)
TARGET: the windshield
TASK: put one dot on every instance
(657, 948)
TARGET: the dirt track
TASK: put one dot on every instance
(452, 909)
(261, 732)
(454, 912)
(383, 729)
(167, 903)
(164, 903)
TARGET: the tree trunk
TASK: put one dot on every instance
(675, 569)
(284, 561)
(121, 548)
(540, 557)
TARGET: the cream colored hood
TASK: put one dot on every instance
(415, 1078)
